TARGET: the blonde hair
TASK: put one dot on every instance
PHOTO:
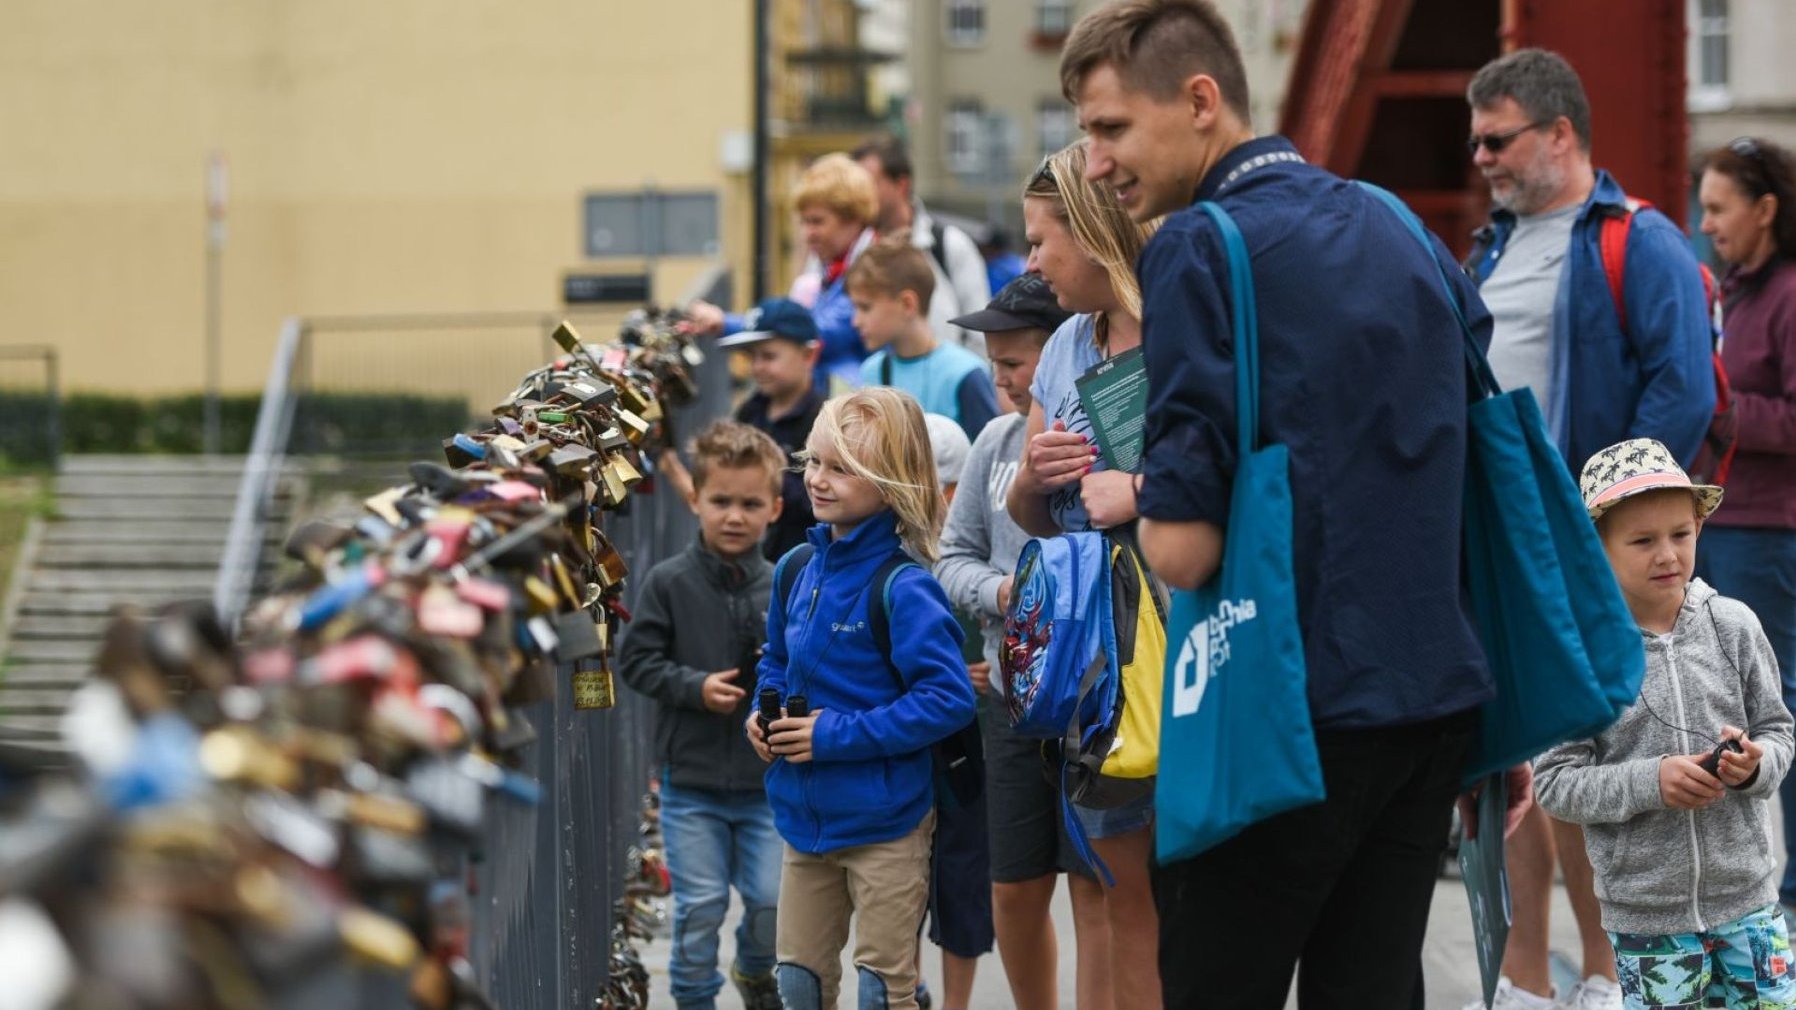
(839, 185)
(881, 437)
(735, 445)
(892, 265)
(1098, 223)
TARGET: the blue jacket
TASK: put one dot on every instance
(870, 777)
(1656, 380)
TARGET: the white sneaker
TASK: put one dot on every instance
(1508, 997)
(1594, 993)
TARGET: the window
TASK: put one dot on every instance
(1055, 126)
(966, 125)
(1711, 43)
(1053, 18)
(966, 22)
(651, 223)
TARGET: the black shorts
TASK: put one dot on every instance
(1028, 829)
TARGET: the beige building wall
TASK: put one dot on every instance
(1757, 95)
(400, 156)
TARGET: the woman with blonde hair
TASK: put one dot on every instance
(837, 206)
(851, 780)
(1084, 245)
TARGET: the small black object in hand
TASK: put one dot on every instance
(1712, 763)
(769, 708)
(797, 707)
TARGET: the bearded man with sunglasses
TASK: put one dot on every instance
(1599, 378)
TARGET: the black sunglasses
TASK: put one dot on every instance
(1495, 142)
(1746, 147)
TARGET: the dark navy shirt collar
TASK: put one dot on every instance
(1243, 159)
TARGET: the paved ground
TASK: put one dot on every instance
(1450, 966)
(1452, 970)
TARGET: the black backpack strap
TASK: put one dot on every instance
(939, 232)
(785, 573)
(885, 368)
(879, 618)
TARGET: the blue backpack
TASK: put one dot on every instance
(1058, 637)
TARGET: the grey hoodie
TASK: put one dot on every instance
(1659, 870)
(980, 542)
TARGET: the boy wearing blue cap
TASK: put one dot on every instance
(780, 339)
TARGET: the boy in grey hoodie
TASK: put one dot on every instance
(1675, 795)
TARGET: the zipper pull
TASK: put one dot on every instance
(813, 610)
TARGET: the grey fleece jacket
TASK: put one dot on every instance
(698, 614)
(980, 542)
(1660, 870)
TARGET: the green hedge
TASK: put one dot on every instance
(324, 423)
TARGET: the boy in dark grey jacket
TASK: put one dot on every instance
(692, 647)
(1675, 796)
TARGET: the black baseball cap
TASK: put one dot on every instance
(1025, 303)
(775, 317)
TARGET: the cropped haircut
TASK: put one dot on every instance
(835, 183)
(1541, 82)
(1099, 224)
(732, 444)
(1761, 168)
(1155, 46)
(890, 266)
(881, 437)
(889, 151)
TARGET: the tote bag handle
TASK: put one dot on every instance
(1484, 382)
(1247, 331)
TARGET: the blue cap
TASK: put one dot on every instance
(775, 317)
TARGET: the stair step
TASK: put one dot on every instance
(131, 508)
(190, 485)
(195, 583)
(43, 676)
(91, 531)
(36, 628)
(30, 727)
(143, 554)
(91, 604)
(19, 653)
(85, 464)
(34, 701)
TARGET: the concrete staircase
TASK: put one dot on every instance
(142, 530)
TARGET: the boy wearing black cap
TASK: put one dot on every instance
(780, 339)
(980, 544)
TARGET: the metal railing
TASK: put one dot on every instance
(552, 874)
(30, 408)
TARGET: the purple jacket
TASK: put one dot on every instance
(1759, 351)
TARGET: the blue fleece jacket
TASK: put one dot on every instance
(1652, 378)
(870, 778)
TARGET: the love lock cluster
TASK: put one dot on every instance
(272, 821)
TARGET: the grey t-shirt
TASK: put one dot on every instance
(1520, 293)
(1070, 352)
(980, 542)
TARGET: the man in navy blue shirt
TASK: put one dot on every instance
(1362, 377)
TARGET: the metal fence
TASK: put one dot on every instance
(30, 406)
(548, 877)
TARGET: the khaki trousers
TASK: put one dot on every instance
(884, 888)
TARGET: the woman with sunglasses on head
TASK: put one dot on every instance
(1084, 245)
(1748, 195)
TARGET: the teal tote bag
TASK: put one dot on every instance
(1236, 744)
(1566, 654)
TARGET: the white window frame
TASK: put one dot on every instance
(1056, 125)
(964, 21)
(1711, 35)
(962, 128)
(1054, 18)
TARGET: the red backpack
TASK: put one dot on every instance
(1716, 456)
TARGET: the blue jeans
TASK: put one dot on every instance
(1758, 568)
(716, 839)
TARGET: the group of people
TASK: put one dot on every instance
(840, 615)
